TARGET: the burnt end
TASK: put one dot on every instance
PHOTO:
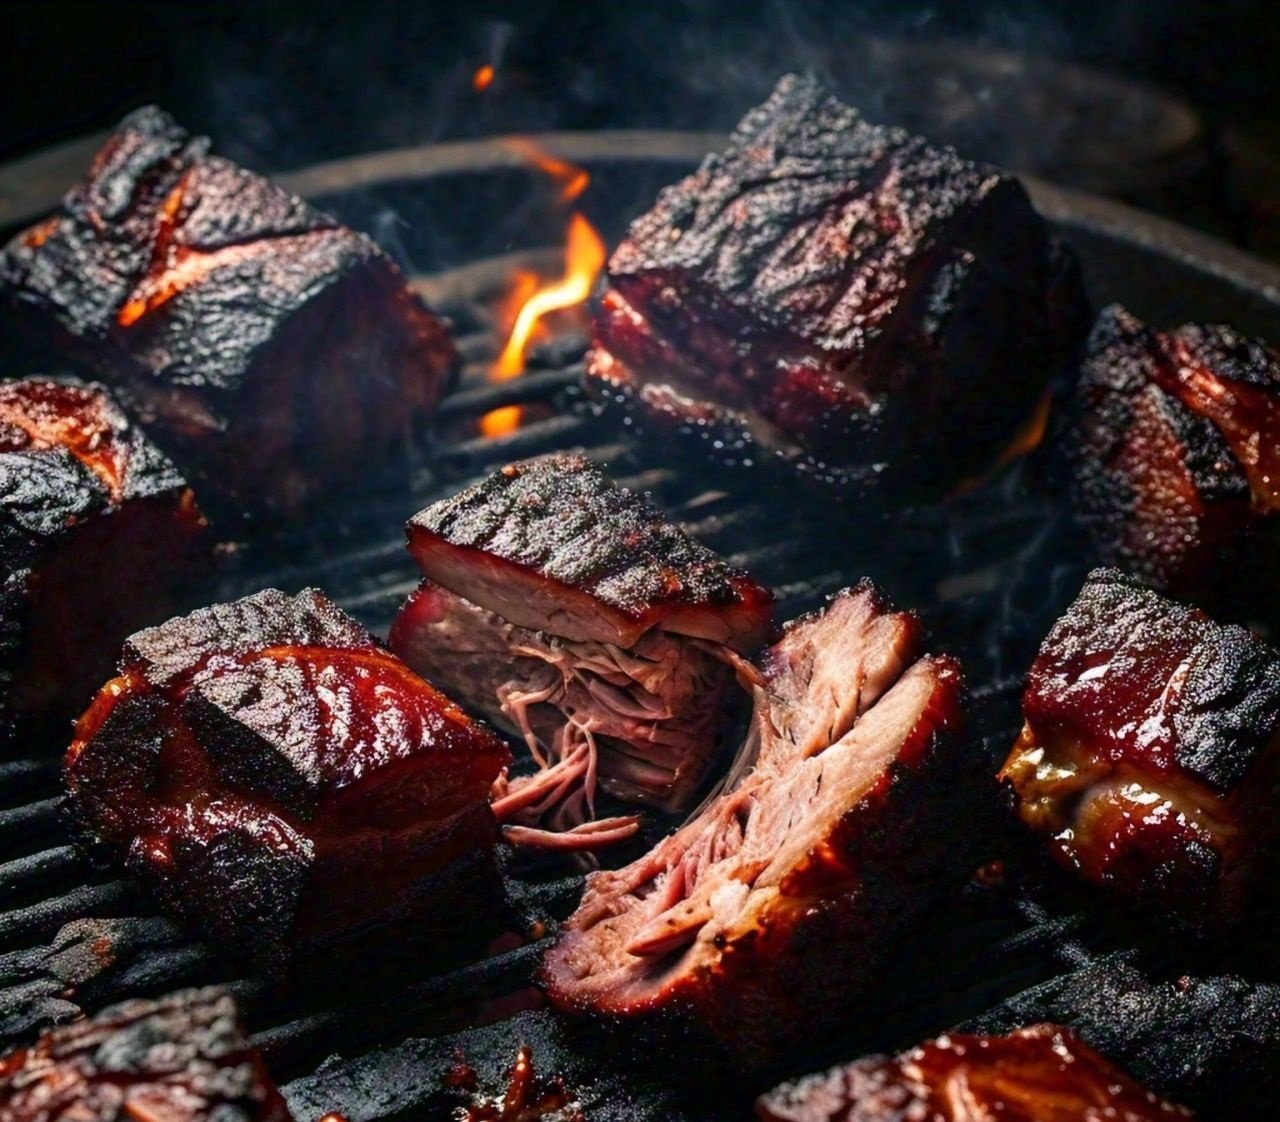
(1149, 750)
(98, 533)
(574, 614)
(866, 308)
(1160, 483)
(266, 346)
(287, 783)
(182, 1058)
(1031, 1074)
(760, 920)
(1206, 1042)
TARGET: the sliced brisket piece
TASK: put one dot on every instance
(1148, 756)
(182, 1058)
(98, 533)
(571, 612)
(1043, 1073)
(285, 782)
(1177, 452)
(762, 916)
(267, 347)
(869, 308)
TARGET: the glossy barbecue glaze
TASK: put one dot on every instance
(281, 778)
(182, 1058)
(766, 913)
(872, 310)
(1039, 1074)
(266, 346)
(1149, 749)
(1177, 453)
(98, 531)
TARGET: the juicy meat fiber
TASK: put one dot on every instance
(1149, 750)
(764, 915)
(868, 308)
(1177, 452)
(97, 533)
(570, 611)
(286, 782)
(182, 1058)
(267, 347)
(1039, 1074)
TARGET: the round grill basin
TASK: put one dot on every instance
(988, 571)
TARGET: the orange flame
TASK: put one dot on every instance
(584, 258)
(482, 79)
(573, 180)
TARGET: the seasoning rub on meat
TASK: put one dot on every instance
(571, 612)
(267, 348)
(283, 780)
(765, 914)
(870, 309)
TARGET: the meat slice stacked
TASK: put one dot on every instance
(182, 1058)
(96, 532)
(283, 780)
(1149, 753)
(1039, 1074)
(769, 909)
(1178, 453)
(267, 347)
(874, 310)
(571, 612)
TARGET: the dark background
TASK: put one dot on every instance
(283, 84)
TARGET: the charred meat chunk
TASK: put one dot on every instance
(1039, 1074)
(1177, 451)
(182, 1058)
(267, 347)
(868, 307)
(286, 782)
(571, 612)
(97, 531)
(763, 915)
(1149, 749)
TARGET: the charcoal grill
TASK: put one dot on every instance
(988, 569)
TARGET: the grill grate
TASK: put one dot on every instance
(987, 571)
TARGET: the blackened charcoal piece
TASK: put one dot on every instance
(1043, 1073)
(276, 355)
(98, 532)
(286, 783)
(1177, 453)
(181, 1058)
(1149, 750)
(762, 917)
(871, 309)
(1208, 1042)
(573, 613)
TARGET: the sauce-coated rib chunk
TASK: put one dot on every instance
(1149, 750)
(1043, 1073)
(1177, 454)
(868, 308)
(268, 348)
(182, 1058)
(285, 781)
(762, 916)
(98, 531)
(572, 612)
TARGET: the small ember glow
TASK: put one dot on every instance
(527, 1098)
(584, 258)
(573, 180)
(482, 79)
